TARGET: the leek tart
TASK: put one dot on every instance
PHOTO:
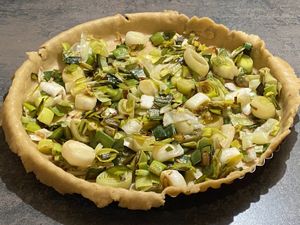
(131, 109)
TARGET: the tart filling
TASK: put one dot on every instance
(145, 112)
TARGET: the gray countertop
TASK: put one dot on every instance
(269, 196)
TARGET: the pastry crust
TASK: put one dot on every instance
(49, 54)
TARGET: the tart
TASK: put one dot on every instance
(133, 108)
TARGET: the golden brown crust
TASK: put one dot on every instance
(49, 54)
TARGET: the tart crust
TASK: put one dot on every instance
(50, 54)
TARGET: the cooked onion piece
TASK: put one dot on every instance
(78, 154)
(172, 178)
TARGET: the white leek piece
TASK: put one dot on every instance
(135, 38)
(72, 72)
(224, 67)
(251, 155)
(110, 180)
(243, 97)
(147, 101)
(84, 102)
(261, 135)
(184, 127)
(230, 156)
(195, 102)
(231, 86)
(246, 139)
(132, 126)
(167, 152)
(75, 132)
(109, 112)
(196, 62)
(147, 87)
(218, 122)
(78, 154)
(172, 178)
(185, 86)
(253, 84)
(260, 138)
(84, 48)
(229, 131)
(40, 134)
(267, 126)
(52, 88)
(178, 115)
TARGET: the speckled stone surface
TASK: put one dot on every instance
(269, 196)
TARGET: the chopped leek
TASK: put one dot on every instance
(56, 149)
(184, 127)
(32, 127)
(172, 178)
(161, 101)
(185, 86)
(196, 157)
(167, 152)
(52, 88)
(134, 38)
(138, 74)
(121, 52)
(230, 156)
(46, 116)
(74, 128)
(84, 102)
(161, 132)
(55, 75)
(157, 38)
(262, 108)
(106, 154)
(101, 137)
(132, 126)
(57, 133)
(147, 87)
(147, 101)
(29, 107)
(141, 114)
(196, 62)
(240, 120)
(115, 177)
(195, 102)
(141, 172)
(157, 167)
(246, 63)
(224, 67)
(99, 47)
(147, 183)
(45, 146)
(154, 114)
(204, 147)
